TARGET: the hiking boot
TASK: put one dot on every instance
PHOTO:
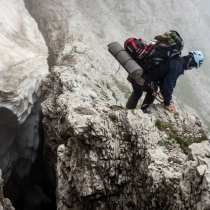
(146, 111)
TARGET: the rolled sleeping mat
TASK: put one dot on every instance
(125, 60)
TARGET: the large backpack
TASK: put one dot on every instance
(149, 55)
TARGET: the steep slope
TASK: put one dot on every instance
(99, 155)
(102, 156)
(99, 23)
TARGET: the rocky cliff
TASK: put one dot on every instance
(99, 155)
(99, 23)
(105, 157)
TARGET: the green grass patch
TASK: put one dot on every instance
(113, 136)
(2, 183)
(116, 107)
(127, 137)
(97, 85)
(108, 86)
(174, 160)
(122, 87)
(113, 93)
(113, 117)
(161, 143)
(184, 142)
(165, 142)
(204, 136)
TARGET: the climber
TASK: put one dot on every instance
(166, 76)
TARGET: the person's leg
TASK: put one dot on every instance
(149, 99)
(134, 98)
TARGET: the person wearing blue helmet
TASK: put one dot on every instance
(198, 57)
(172, 70)
(168, 74)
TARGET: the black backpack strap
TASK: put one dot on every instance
(181, 59)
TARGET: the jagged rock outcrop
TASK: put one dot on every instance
(100, 155)
(23, 64)
(109, 157)
(96, 24)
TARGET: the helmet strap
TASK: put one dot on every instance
(191, 56)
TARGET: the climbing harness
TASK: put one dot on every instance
(159, 97)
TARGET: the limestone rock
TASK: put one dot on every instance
(99, 155)
(75, 26)
(106, 151)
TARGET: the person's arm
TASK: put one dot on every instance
(171, 108)
(169, 83)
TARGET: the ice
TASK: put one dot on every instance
(18, 142)
(23, 59)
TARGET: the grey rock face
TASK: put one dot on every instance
(98, 23)
(101, 155)
(108, 157)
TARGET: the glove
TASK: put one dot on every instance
(171, 108)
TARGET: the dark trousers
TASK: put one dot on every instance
(136, 95)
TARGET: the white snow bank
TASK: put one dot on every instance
(23, 65)
(23, 59)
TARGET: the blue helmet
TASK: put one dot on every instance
(198, 57)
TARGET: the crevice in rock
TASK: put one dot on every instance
(31, 190)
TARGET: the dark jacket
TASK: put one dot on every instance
(166, 74)
(169, 73)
